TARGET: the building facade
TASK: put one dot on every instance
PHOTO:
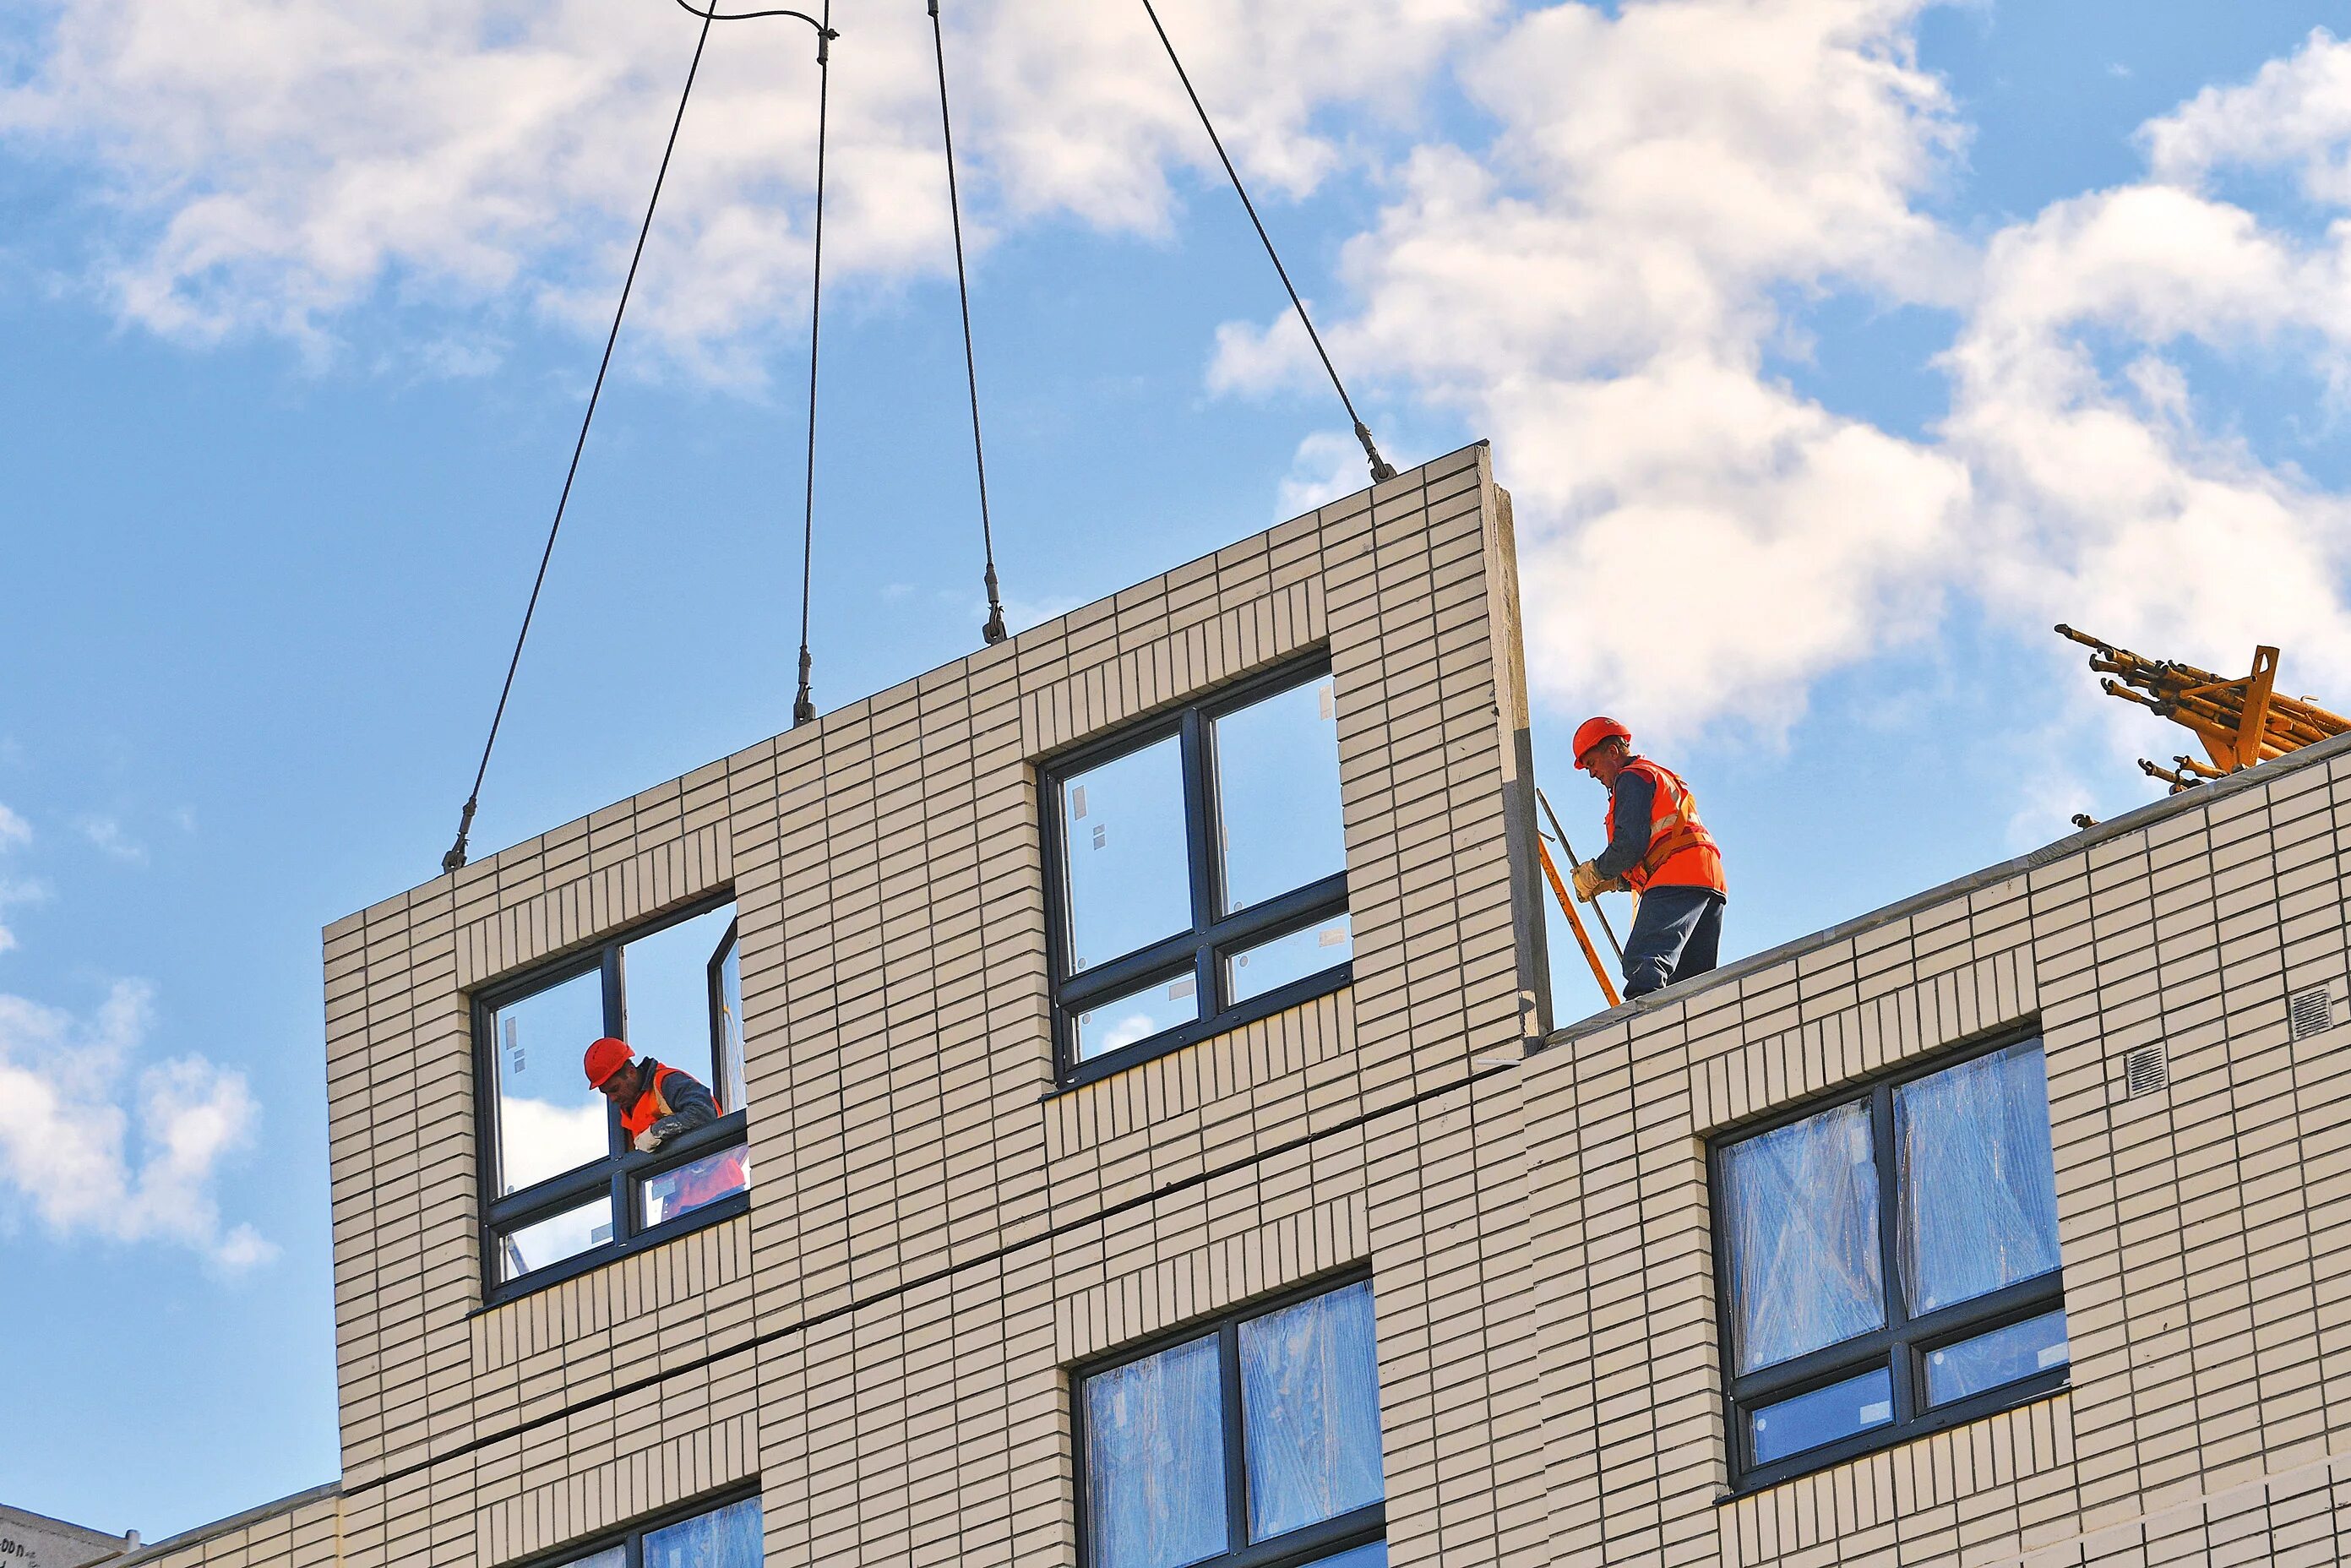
(1144, 1141)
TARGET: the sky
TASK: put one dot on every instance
(1833, 350)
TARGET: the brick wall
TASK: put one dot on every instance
(937, 1235)
(926, 1202)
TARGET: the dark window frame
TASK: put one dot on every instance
(1901, 1344)
(632, 1536)
(620, 1175)
(1201, 950)
(1307, 1545)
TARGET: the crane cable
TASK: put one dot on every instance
(994, 631)
(803, 704)
(1381, 467)
(456, 858)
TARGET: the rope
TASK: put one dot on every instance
(456, 855)
(1381, 468)
(456, 858)
(803, 704)
(994, 631)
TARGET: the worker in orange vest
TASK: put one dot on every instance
(656, 1103)
(1658, 849)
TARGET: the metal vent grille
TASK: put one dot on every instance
(2311, 1011)
(2144, 1071)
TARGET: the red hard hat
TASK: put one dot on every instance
(605, 1058)
(1593, 731)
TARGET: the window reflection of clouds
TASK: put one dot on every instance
(549, 1120)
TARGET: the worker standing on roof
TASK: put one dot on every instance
(1658, 849)
(656, 1103)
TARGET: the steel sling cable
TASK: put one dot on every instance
(994, 631)
(456, 858)
(1381, 467)
(803, 704)
(456, 855)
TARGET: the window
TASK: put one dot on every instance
(563, 1187)
(1200, 871)
(1253, 1443)
(727, 1536)
(1889, 1264)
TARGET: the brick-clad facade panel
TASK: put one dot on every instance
(943, 1237)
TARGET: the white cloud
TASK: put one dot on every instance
(96, 1144)
(274, 163)
(107, 836)
(15, 834)
(2104, 500)
(1670, 185)
(1599, 288)
(2296, 112)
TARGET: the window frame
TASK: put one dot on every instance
(1306, 1545)
(1202, 949)
(1902, 1342)
(631, 1536)
(621, 1173)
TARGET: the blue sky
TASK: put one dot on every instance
(1832, 348)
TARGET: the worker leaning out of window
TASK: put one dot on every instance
(656, 1103)
(1658, 849)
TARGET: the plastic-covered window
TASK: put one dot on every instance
(729, 1536)
(1979, 1181)
(1890, 1263)
(1257, 1435)
(1154, 1459)
(726, 1537)
(1311, 1408)
(1802, 1204)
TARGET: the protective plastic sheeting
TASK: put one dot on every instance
(1311, 1410)
(1155, 1459)
(728, 1537)
(1801, 1204)
(1979, 1186)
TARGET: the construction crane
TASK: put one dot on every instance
(2240, 722)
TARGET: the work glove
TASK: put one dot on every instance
(1590, 884)
(648, 1140)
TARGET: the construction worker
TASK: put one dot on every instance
(1658, 849)
(656, 1103)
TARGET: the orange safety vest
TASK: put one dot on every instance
(1681, 853)
(694, 1188)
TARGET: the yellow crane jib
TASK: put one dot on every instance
(2240, 722)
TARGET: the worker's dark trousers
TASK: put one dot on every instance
(1674, 936)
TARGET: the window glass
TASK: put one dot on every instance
(1277, 770)
(1123, 850)
(1269, 965)
(1310, 1411)
(2003, 1356)
(728, 1537)
(666, 1005)
(549, 1121)
(1979, 1185)
(733, 1088)
(1823, 1416)
(1370, 1555)
(1138, 1015)
(1155, 1459)
(610, 1557)
(1802, 1213)
(695, 1185)
(551, 1240)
